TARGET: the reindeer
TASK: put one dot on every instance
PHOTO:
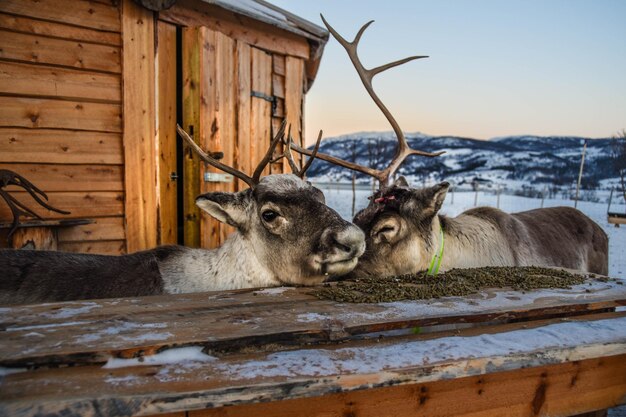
(285, 235)
(405, 232)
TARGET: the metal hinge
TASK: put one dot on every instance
(217, 177)
(271, 99)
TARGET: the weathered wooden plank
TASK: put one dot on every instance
(243, 150)
(79, 204)
(105, 247)
(294, 98)
(226, 114)
(102, 228)
(546, 368)
(231, 320)
(60, 146)
(279, 110)
(60, 114)
(241, 28)
(564, 390)
(166, 132)
(37, 80)
(278, 86)
(210, 128)
(278, 64)
(68, 53)
(139, 127)
(260, 114)
(192, 44)
(57, 177)
(58, 30)
(81, 13)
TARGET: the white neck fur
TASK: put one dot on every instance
(233, 265)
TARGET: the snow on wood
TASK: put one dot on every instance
(127, 328)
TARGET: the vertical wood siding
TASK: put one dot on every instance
(139, 127)
(220, 79)
(166, 133)
(61, 114)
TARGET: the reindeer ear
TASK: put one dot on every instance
(401, 182)
(229, 208)
(439, 192)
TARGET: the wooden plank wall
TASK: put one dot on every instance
(61, 113)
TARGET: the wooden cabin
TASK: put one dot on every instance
(91, 92)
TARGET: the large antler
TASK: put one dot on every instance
(17, 208)
(251, 181)
(403, 150)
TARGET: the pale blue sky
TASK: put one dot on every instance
(496, 68)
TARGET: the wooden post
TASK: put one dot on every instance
(353, 194)
(192, 68)
(498, 197)
(41, 238)
(139, 130)
(580, 173)
(166, 134)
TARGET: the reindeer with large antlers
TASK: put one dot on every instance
(285, 235)
(405, 234)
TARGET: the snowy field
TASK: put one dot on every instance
(340, 199)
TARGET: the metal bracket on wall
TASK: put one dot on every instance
(217, 177)
(271, 99)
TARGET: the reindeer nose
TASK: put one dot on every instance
(350, 240)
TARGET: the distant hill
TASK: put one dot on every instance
(513, 162)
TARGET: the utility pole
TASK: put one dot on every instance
(580, 173)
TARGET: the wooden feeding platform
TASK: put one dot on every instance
(283, 352)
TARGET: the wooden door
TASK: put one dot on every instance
(219, 110)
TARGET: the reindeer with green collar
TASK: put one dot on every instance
(405, 232)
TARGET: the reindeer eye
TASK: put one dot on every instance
(386, 229)
(269, 215)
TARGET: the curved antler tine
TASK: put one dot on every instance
(41, 202)
(357, 38)
(23, 209)
(385, 67)
(287, 154)
(27, 185)
(366, 75)
(313, 154)
(17, 209)
(13, 178)
(211, 161)
(340, 162)
(268, 155)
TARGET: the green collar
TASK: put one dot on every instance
(435, 262)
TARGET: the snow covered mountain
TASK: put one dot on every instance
(513, 162)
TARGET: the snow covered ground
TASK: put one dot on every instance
(340, 199)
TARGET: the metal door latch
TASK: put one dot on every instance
(217, 177)
(266, 97)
